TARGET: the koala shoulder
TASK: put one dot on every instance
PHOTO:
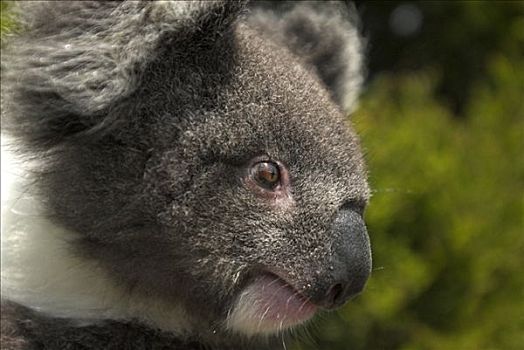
(25, 329)
(12, 336)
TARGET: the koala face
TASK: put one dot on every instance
(226, 181)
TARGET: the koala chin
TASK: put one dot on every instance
(179, 175)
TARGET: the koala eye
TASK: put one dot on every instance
(266, 175)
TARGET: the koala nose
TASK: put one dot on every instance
(350, 265)
(339, 292)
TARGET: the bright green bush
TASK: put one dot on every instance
(445, 219)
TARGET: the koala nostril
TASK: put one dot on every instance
(334, 296)
(340, 292)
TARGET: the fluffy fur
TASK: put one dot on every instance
(131, 223)
(324, 35)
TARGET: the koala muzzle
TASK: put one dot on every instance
(350, 264)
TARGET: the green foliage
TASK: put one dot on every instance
(456, 38)
(445, 219)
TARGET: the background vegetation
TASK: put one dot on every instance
(442, 123)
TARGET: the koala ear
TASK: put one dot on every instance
(324, 34)
(73, 59)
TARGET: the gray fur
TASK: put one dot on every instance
(145, 115)
(323, 34)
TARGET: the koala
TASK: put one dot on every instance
(179, 175)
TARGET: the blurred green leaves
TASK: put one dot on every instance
(445, 219)
(456, 38)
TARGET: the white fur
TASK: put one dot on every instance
(94, 67)
(244, 316)
(251, 314)
(39, 271)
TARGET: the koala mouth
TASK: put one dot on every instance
(268, 305)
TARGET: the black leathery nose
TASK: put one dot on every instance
(350, 264)
(338, 293)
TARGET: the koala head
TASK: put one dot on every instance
(199, 151)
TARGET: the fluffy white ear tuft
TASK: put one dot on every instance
(73, 60)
